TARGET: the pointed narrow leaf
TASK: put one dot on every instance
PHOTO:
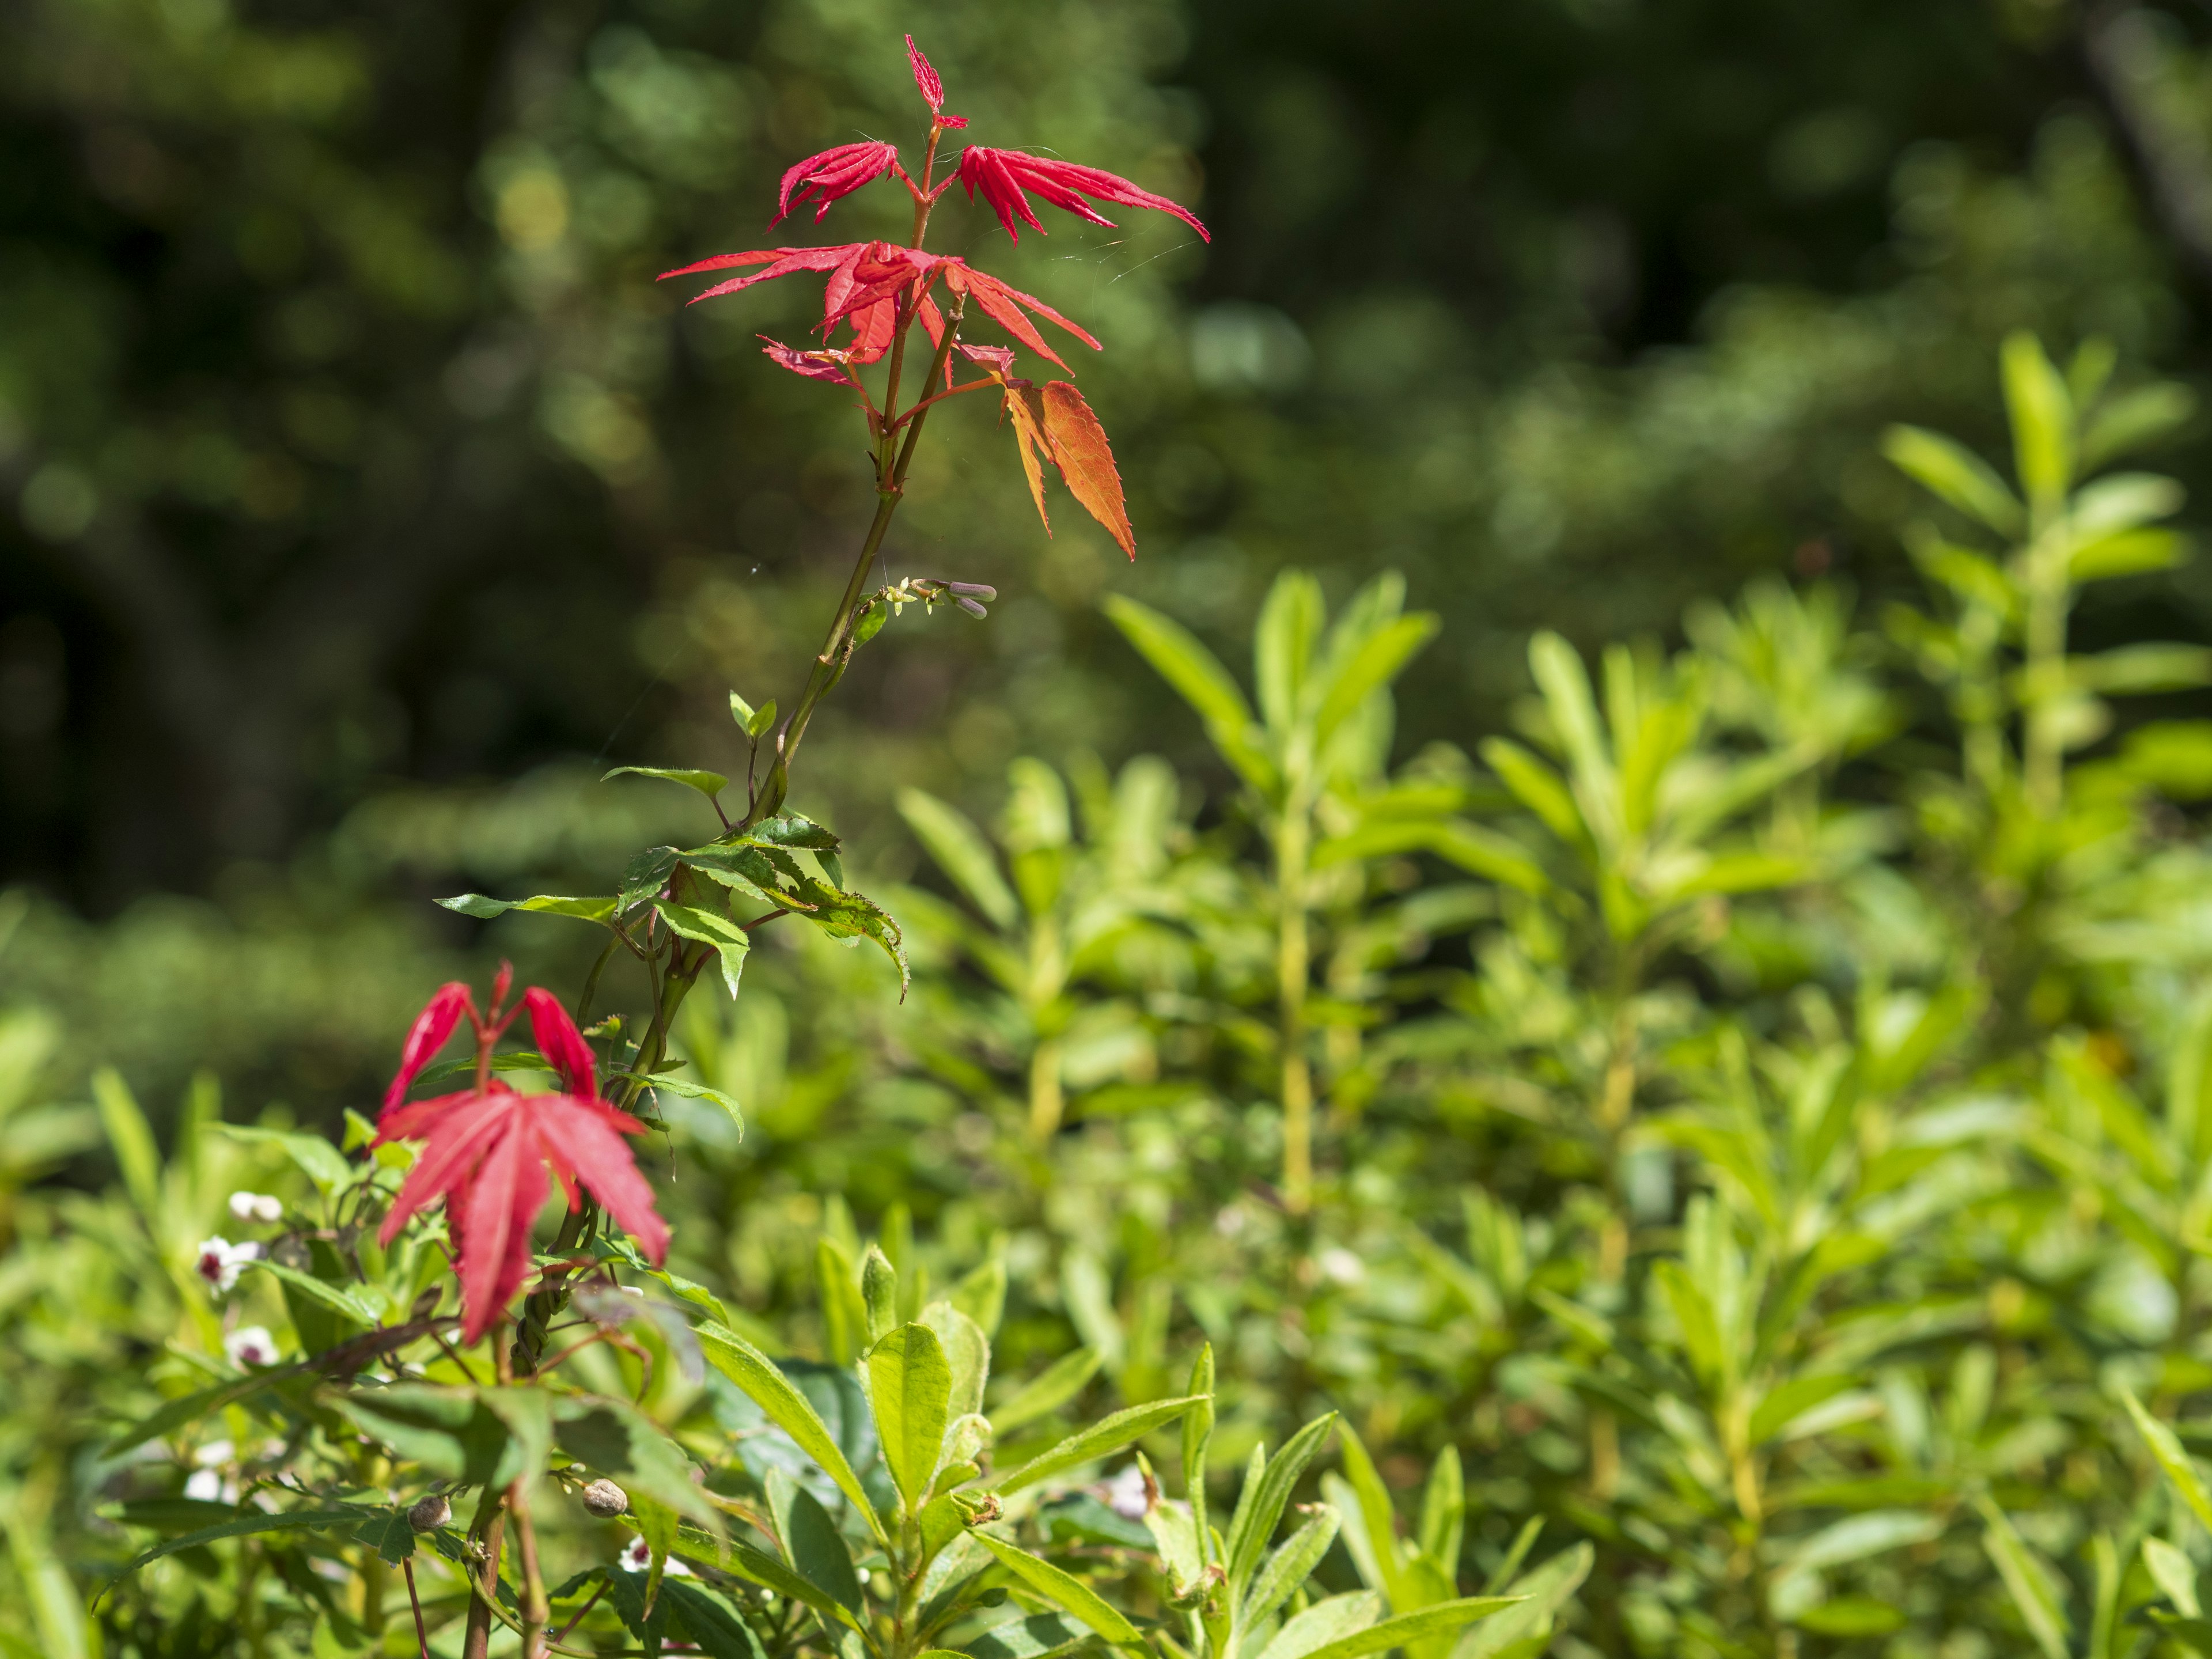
(2039, 1608)
(1956, 473)
(1102, 1439)
(949, 837)
(1069, 1591)
(1258, 1512)
(477, 905)
(1324, 1622)
(1409, 1627)
(2166, 1447)
(1290, 1566)
(1053, 1388)
(1378, 662)
(247, 1525)
(775, 1395)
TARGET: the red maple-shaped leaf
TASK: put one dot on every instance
(832, 175)
(487, 1151)
(1002, 178)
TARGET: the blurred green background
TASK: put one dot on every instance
(357, 467)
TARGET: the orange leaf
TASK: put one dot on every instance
(1086, 461)
(1027, 412)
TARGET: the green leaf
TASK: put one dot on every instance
(967, 1352)
(788, 829)
(909, 1388)
(1379, 660)
(689, 1088)
(730, 941)
(1102, 1439)
(2042, 415)
(1546, 1588)
(709, 784)
(645, 875)
(1198, 675)
(811, 1543)
(450, 1431)
(1957, 474)
(1409, 1627)
(1042, 1635)
(613, 1437)
(247, 1526)
(132, 1141)
(2174, 1573)
(957, 845)
(712, 1626)
(1046, 1392)
(1290, 1566)
(191, 1407)
(321, 1162)
(1261, 1504)
(2031, 1591)
(389, 1534)
(585, 909)
(1330, 1620)
(2134, 418)
(2166, 1447)
(1069, 1591)
(774, 1392)
(323, 1294)
(764, 1569)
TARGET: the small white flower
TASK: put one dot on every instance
(256, 1207)
(1339, 1265)
(219, 1262)
(251, 1345)
(1125, 1493)
(638, 1557)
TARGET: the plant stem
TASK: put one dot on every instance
(414, 1601)
(535, 1609)
(484, 1585)
(1293, 967)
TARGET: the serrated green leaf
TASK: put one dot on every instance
(731, 943)
(709, 784)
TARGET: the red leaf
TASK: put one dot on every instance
(1002, 176)
(428, 1035)
(998, 358)
(782, 261)
(831, 176)
(560, 1042)
(1086, 461)
(814, 365)
(486, 1152)
(932, 89)
(1003, 305)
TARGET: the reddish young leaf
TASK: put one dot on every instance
(1003, 305)
(1002, 176)
(1086, 461)
(779, 261)
(814, 365)
(560, 1042)
(831, 176)
(932, 88)
(428, 1035)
